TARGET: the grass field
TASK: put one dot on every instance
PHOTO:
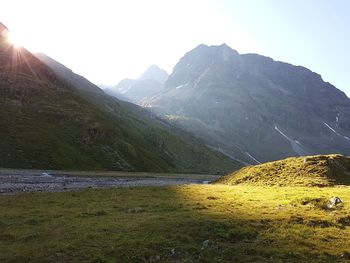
(194, 223)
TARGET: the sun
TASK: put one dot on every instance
(13, 39)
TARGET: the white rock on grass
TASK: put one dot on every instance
(333, 202)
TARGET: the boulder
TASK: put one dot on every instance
(333, 202)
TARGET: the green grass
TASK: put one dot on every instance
(169, 224)
(319, 170)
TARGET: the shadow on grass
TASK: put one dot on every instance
(166, 224)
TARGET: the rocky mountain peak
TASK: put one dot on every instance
(199, 62)
(155, 73)
(213, 50)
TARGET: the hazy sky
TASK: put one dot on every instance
(106, 41)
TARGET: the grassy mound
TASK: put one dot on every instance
(319, 170)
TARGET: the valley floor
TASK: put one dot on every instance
(16, 181)
(192, 223)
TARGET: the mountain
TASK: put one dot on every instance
(252, 108)
(52, 118)
(76, 80)
(109, 89)
(155, 73)
(147, 85)
(319, 170)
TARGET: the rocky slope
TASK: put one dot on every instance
(252, 108)
(51, 122)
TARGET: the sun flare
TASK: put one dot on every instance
(12, 39)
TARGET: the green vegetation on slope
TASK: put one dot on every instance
(51, 122)
(53, 129)
(172, 224)
(319, 170)
(175, 146)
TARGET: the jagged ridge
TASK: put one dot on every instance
(252, 108)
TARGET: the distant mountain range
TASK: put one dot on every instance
(147, 85)
(52, 118)
(252, 108)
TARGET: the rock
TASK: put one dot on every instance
(333, 202)
(345, 255)
(205, 244)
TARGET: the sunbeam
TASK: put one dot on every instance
(13, 40)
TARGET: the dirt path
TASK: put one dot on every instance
(16, 181)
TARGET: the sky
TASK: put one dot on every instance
(108, 40)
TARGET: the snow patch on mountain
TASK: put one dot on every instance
(337, 118)
(198, 80)
(335, 132)
(296, 145)
(125, 89)
(252, 157)
(285, 136)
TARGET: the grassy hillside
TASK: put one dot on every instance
(52, 129)
(177, 147)
(320, 170)
(198, 223)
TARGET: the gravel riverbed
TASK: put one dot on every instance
(12, 182)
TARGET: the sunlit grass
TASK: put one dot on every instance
(170, 224)
(319, 170)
